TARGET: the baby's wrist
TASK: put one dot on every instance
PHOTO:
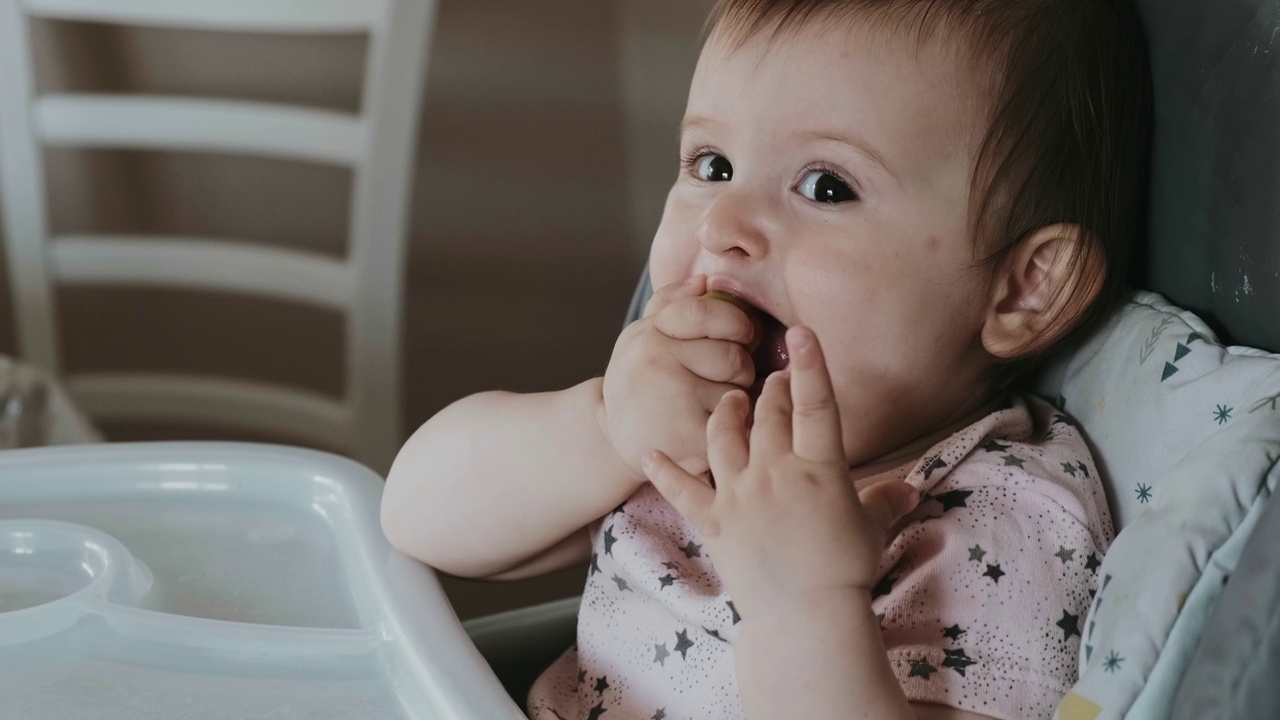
(818, 605)
(614, 466)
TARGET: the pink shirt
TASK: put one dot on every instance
(982, 592)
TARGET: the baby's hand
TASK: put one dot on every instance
(783, 523)
(668, 372)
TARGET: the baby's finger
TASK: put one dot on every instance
(816, 417)
(687, 318)
(771, 431)
(694, 286)
(719, 361)
(887, 502)
(690, 496)
(727, 448)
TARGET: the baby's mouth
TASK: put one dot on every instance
(771, 354)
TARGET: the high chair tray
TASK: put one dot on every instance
(201, 580)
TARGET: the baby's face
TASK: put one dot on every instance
(827, 182)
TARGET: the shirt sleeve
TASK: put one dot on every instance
(983, 595)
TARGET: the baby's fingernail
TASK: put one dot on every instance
(799, 339)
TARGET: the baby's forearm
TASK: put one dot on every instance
(497, 478)
(824, 660)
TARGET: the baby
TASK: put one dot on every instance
(822, 498)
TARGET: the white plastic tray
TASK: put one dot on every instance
(202, 580)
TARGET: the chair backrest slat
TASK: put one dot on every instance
(230, 126)
(186, 263)
(300, 16)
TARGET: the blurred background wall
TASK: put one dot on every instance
(547, 144)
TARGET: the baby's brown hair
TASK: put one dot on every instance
(1070, 108)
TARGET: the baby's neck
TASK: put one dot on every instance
(912, 451)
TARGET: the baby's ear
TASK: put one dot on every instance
(1042, 290)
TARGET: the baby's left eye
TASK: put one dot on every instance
(821, 186)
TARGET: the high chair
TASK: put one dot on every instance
(1186, 622)
(376, 144)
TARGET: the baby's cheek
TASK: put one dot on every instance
(669, 259)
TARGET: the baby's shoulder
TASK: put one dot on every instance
(1027, 453)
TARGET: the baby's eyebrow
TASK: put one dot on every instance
(695, 122)
(855, 143)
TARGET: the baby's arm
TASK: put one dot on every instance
(501, 485)
(498, 479)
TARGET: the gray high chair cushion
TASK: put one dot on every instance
(1186, 435)
(1236, 667)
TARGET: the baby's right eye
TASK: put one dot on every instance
(710, 167)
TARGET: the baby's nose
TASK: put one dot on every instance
(732, 226)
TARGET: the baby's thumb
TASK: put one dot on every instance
(888, 502)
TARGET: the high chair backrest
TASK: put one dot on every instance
(377, 145)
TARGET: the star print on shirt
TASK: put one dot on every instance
(1083, 468)
(1092, 563)
(692, 550)
(1013, 460)
(935, 463)
(595, 564)
(618, 509)
(601, 685)
(976, 553)
(673, 567)
(609, 540)
(596, 711)
(1069, 468)
(994, 572)
(957, 660)
(715, 634)
(1065, 420)
(683, 643)
(667, 580)
(660, 654)
(582, 676)
(1064, 554)
(659, 714)
(622, 584)
(954, 632)
(1070, 625)
(994, 446)
(736, 617)
(921, 668)
(953, 499)
(884, 587)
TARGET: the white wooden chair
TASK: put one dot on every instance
(377, 144)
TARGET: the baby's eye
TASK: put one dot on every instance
(713, 168)
(821, 186)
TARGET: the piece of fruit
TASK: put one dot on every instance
(757, 318)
